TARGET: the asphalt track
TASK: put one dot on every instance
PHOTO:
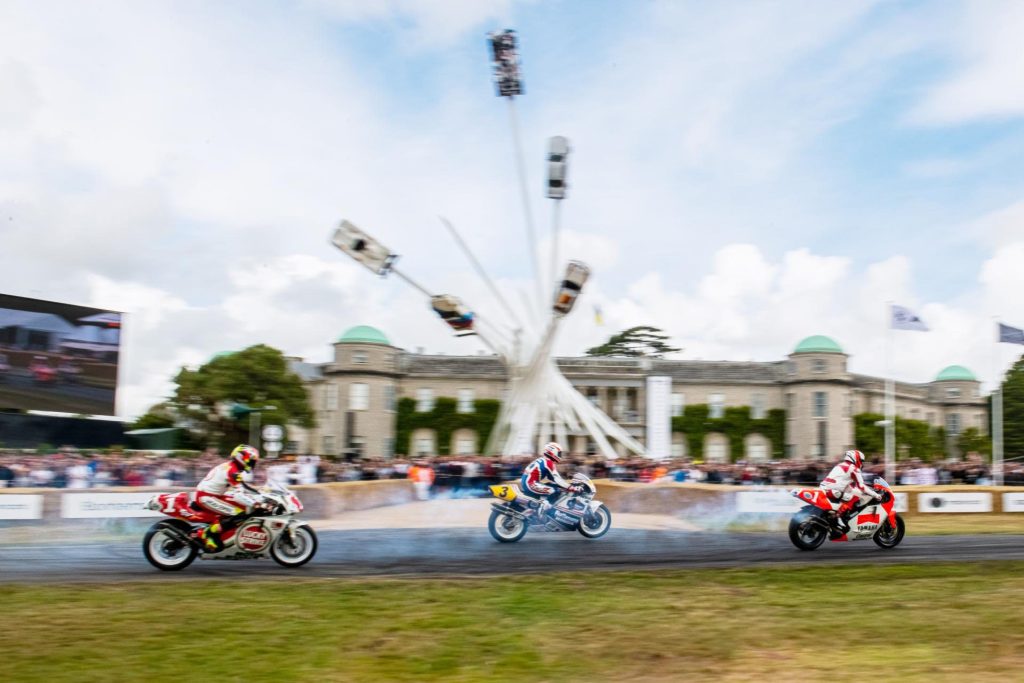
(467, 552)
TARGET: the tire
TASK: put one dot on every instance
(888, 539)
(805, 532)
(164, 551)
(295, 555)
(505, 528)
(596, 524)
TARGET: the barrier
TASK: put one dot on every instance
(1013, 502)
(21, 506)
(320, 501)
(954, 502)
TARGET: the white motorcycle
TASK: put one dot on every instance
(573, 511)
(172, 544)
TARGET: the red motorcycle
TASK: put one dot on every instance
(818, 520)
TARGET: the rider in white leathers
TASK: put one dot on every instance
(845, 485)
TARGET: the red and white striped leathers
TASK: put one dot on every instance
(845, 485)
(221, 490)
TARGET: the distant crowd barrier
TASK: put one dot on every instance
(910, 500)
(321, 501)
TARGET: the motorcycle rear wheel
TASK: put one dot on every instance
(291, 555)
(596, 524)
(164, 550)
(805, 532)
(886, 537)
(506, 528)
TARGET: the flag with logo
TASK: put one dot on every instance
(905, 319)
(1010, 335)
(598, 317)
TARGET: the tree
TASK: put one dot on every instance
(1013, 411)
(971, 440)
(635, 342)
(257, 376)
(914, 438)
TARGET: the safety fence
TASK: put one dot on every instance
(323, 501)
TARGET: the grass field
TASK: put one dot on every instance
(893, 623)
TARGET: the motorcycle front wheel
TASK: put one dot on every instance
(506, 528)
(805, 532)
(164, 548)
(597, 523)
(888, 538)
(295, 550)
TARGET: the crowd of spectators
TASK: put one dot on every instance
(69, 468)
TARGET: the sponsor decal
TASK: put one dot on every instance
(954, 502)
(1012, 502)
(902, 503)
(101, 505)
(19, 506)
(252, 537)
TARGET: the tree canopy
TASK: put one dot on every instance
(914, 438)
(635, 342)
(1013, 411)
(257, 376)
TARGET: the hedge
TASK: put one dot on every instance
(736, 423)
(444, 419)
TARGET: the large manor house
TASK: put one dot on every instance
(356, 398)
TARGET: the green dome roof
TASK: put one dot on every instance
(818, 344)
(363, 334)
(956, 373)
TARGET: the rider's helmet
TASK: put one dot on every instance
(245, 456)
(553, 451)
(855, 458)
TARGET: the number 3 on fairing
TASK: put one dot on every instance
(503, 492)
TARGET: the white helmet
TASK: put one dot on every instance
(855, 458)
(553, 451)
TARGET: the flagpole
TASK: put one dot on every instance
(890, 406)
(997, 415)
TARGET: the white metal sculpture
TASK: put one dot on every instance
(541, 404)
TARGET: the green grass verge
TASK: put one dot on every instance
(907, 623)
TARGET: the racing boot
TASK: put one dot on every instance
(210, 538)
(843, 516)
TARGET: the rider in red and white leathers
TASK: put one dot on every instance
(542, 470)
(224, 492)
(845, 485)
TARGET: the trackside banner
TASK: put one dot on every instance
(1013, 502)
(99, 505)
(780, 501)
(954, 502)
(18, 506)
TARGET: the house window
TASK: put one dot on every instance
(678, 405)
(389, 398)
(424, 400)
(594, 398)
(716, 403)
(716, 452)
(757, 411)
(465, 446)
(820, 404)
(331, 397)
(789, 403)
(358, 396)
(465, 404)
(930, 418)
(819, 365)
(790, 367)
(425, 445)
(389, 447)
(329, 445)
(952, 393)
(953, 424)
(359, 357)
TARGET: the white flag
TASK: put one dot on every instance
(905, 319)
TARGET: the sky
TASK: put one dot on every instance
(743, 174)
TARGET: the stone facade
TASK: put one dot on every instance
(355, 396)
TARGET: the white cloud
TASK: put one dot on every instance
(989, 82)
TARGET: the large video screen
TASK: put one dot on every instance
(58, 357)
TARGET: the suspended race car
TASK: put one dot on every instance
(576, 274)
(363, 248)
(558, 168)
(454, 312)
(505, 57)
